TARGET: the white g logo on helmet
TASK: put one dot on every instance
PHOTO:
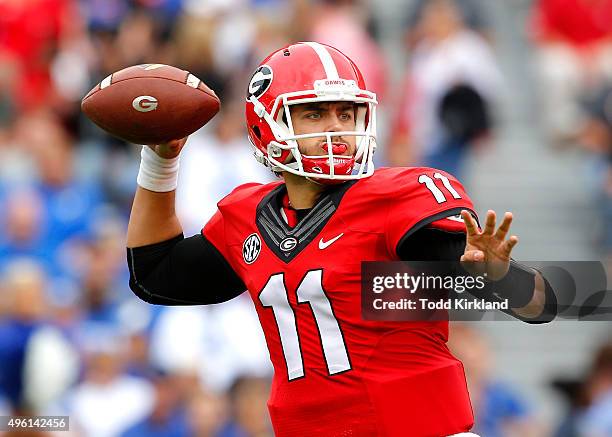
(260, 81)
(144, 103)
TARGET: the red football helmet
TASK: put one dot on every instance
(308, 72)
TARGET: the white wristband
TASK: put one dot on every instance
(156, 173)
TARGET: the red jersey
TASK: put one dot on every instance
(335, 373)
(577, 22)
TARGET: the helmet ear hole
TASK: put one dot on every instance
(282, 120)
(256, 131)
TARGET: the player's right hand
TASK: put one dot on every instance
(169, 150)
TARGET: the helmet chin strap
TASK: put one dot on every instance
(319, 181)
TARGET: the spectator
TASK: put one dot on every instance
(168, 418)
(108, 401)
(206, 414)
(69, 202)
(38, 363)
(30, 35)
(596, 420)
(194, 42)
(590, 399)
(101, 273)
(221, 342)
(450, 85)
(249, 417)
(104, 15)
(595, 136)
(472, 14)
(21, 223)
(573, 49)
(341, 24)
(57, 179)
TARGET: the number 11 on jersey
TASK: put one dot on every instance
(437, 193)
(310, 291)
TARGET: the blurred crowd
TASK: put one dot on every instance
(573, 63)
(73, 338)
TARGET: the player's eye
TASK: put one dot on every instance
(313, 115)
(346, 116)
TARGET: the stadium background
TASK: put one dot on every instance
(75, 341)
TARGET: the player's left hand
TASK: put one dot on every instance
(488, 251)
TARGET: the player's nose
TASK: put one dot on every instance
(334, 125)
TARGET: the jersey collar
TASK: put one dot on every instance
(287, 242)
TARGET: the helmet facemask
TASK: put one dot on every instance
(326, 168)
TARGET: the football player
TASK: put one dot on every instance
(297, 245)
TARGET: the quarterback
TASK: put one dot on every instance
(296, 245)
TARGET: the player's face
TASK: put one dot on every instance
(325, 117)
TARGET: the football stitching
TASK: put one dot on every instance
(214, 96)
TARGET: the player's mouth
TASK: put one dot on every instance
(338, 148)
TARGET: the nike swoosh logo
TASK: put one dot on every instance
(325, 244)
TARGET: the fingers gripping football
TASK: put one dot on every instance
(169, 150)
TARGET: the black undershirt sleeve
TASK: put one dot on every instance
(431, 244)
(182, 271)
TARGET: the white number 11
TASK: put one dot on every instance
(310, 290)
(437, 193)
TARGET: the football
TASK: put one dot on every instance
(150, 104)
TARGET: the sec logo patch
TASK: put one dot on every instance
(251, 248)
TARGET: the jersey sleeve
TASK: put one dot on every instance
(173, 272)
(218, 229)
(214, 231)
(424, 197)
